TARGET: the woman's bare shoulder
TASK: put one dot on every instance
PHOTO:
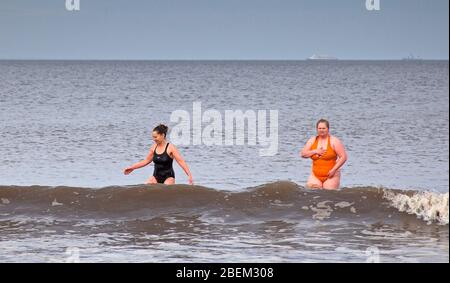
(171, 148)
(335, 140)
(312, 139)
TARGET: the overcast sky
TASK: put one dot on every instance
(223, 29)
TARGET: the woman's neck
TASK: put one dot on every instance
(162, 143)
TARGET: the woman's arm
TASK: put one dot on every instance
(306, 152)
(177, 156)
(341, 153)
(142, 163)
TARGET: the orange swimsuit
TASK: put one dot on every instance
(323, 164)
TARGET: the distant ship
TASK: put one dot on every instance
(322, 58)
(412, 58)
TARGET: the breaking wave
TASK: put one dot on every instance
(279, 199)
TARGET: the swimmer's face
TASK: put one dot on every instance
(322, 129)
(157, 137)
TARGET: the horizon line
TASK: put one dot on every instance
(292, 59)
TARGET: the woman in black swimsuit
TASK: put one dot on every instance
(162, 154)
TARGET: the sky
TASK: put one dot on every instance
(223, 29)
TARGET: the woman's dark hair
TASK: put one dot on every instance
(323, 121)
(161, 129)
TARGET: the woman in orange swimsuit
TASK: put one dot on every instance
(328, 155)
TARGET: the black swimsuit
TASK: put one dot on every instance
(163, 166)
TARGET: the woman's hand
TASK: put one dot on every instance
(331, 173)
(128, 170)
(191, 181)
(320, 151)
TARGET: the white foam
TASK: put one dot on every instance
(343, 204)
(429, 206)
(322, 210)
(56, 203)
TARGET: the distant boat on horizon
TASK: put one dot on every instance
(322, 58)
(411, 57)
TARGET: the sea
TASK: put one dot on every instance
(69, 128)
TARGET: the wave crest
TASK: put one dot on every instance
(286, 199)
(429, 206)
